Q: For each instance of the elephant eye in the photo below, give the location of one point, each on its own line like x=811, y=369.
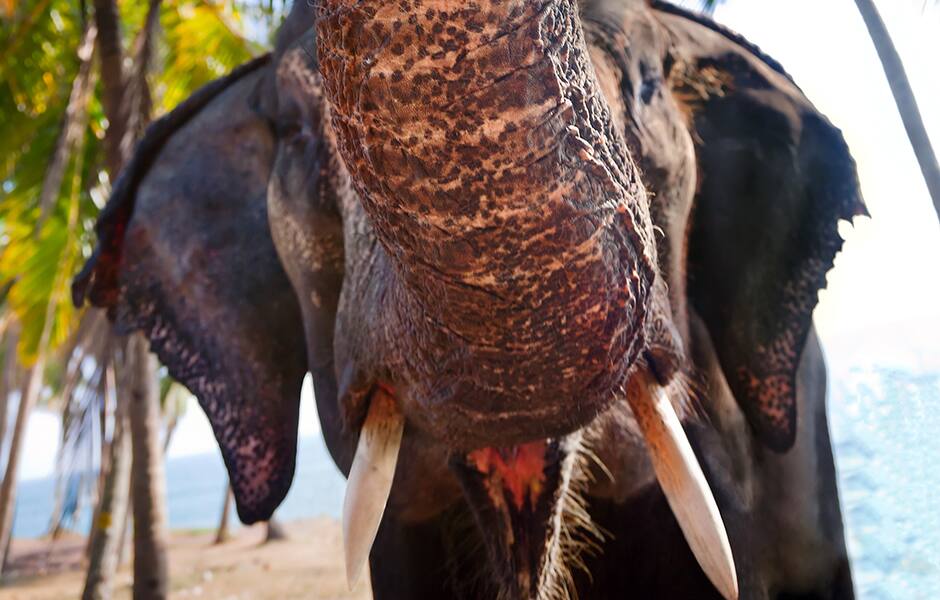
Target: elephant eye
x=285, y=129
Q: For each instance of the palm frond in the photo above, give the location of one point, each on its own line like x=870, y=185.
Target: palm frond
x=73, y=127
x=201, y=43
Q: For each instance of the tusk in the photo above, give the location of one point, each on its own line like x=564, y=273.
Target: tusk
x=370, y=480
x=683, y=483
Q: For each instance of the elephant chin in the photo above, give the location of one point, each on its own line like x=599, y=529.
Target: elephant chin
x=524, y=494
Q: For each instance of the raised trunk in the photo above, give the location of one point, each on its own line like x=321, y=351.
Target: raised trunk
x=904, y=98
x=28, y=399
x=147, y=480
x=110, y=513
x=516, y=222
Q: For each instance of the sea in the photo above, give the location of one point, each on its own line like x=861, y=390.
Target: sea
x=886, y=431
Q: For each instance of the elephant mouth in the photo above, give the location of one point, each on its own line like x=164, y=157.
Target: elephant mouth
x=523, y=498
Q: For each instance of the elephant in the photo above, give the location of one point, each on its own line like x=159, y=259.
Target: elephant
x=551, y=266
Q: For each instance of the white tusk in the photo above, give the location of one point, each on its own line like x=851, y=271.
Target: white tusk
x=370, y=480
x=683, y=483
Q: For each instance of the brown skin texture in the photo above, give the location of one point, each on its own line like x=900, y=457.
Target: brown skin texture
x=512, y=222
x=419, y=264
x=305, y=190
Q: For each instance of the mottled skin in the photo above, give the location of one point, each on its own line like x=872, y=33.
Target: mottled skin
x=501, y=210
x=515, y=230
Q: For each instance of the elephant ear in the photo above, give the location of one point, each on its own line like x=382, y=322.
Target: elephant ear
x=775, y=177
x=185, y=256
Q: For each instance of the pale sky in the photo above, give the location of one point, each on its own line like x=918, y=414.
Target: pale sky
x=882, y=305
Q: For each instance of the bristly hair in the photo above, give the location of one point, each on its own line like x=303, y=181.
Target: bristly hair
x=573, y=534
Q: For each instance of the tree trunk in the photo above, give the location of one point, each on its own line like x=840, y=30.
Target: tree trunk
x=108, y=382
x=904, y=98
x=223, y=533
x=275, y=531
x=147, y=485
x=73, y=127
x=7, y=377
x=111, y=512
x=6, y=548
x=123, y=108
x=113, y=83
x=8, y=489
x=170, y=430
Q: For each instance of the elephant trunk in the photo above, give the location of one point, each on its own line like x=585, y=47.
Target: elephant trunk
x=486, y=158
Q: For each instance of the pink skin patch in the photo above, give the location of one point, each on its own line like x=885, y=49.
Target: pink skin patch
x=519, y=469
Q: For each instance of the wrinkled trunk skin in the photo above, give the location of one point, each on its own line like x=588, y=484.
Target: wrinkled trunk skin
x=515, y=223
x=147, y=480
x=110, y=520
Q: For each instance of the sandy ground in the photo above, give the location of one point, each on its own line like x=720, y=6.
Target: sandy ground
x=307, y=565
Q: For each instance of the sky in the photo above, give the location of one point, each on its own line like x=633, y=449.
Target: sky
x=882, y=303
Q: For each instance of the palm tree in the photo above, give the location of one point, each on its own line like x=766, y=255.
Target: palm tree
x=148, y=493
x=126, y=101
x=8, y=374
x=110, y=518
x=61, y=140
x=903, y=97
x=45, y=175
x=223, y=531
x=69, y=143
x=58, y=143
x=901, y=89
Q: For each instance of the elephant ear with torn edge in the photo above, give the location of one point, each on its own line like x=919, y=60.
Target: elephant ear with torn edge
x=775, y=178
x=185, y=256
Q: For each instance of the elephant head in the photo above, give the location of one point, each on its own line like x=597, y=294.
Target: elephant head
x=517, y=243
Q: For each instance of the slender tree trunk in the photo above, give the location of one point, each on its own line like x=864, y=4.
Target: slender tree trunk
x=148, y=485
x=51, y=180
x=124, y=107
x=223, y=533
x=6, y=548
x=111, y=513
x=7, y=377
x=168, y=437
x=113, y=83
x=904, y=97
x=8, y=489
x=275, y=531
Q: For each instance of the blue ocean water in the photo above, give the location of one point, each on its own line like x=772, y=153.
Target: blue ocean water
x=195, y=488
x=886, y=431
